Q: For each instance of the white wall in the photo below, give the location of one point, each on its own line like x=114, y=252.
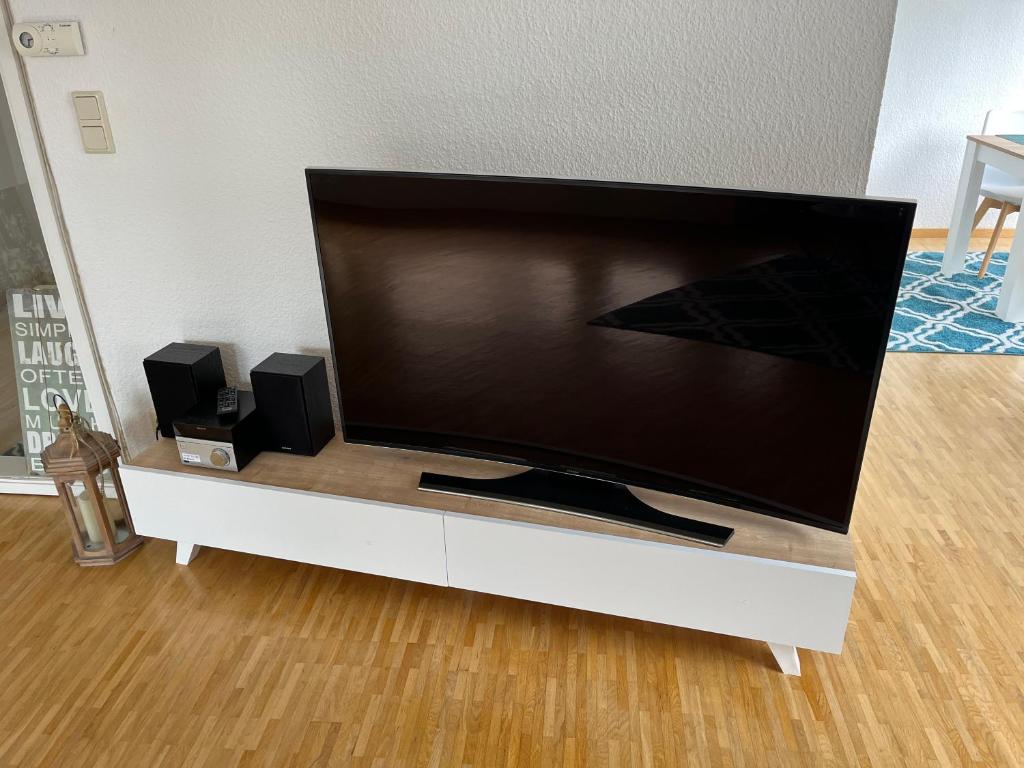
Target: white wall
x=951, y=62
x=198, y=228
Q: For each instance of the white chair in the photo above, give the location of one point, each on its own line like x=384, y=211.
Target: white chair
x=998, y=188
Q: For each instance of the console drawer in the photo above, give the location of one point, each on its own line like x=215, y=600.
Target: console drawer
x=687, y=586
x=335, y=531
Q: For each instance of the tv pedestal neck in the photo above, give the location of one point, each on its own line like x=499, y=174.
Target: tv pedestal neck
x=359, y=508
x=582, y=496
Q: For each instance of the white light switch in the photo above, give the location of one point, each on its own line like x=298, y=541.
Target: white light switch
x=94, y=139
x=93, y=124
x=87, y=108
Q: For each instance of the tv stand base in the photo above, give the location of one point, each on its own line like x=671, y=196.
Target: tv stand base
x=577, y=495
x=357, y=508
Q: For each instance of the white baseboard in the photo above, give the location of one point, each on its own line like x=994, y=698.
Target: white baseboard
x=32, y=486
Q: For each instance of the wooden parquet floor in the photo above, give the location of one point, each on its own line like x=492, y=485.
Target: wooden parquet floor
x=247, y=661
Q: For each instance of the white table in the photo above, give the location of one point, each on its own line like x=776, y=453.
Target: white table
x=1007, y=156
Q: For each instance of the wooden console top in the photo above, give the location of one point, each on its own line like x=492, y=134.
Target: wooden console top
x=391, y=476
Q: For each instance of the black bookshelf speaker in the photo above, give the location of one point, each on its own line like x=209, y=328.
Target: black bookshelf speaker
x=293, y=400
x=181, y=375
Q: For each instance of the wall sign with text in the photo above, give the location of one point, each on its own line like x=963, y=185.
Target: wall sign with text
x=45, y=364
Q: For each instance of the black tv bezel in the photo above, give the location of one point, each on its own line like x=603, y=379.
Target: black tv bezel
x=657, y=481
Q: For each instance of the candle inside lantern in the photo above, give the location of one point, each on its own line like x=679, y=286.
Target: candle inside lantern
x=92, y=521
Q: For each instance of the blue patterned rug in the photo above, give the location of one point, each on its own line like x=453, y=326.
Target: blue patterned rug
x=935, y=313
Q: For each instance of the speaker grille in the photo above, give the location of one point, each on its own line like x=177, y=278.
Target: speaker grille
x=280, y=401
x=294, y=402
x=179, y=376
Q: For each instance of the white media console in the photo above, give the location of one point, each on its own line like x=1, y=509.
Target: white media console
x=358, y=508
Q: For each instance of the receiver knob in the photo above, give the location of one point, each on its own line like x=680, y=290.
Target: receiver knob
x=219, y=457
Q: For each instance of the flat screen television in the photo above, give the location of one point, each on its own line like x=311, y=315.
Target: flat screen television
x=719, y=344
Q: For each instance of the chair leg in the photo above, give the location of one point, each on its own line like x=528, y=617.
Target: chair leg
x=1004, y=210
x=983, y=208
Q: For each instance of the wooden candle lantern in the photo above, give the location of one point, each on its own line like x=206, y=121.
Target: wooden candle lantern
x=101, y=527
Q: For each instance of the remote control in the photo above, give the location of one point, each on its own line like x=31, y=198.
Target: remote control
x=227, y=401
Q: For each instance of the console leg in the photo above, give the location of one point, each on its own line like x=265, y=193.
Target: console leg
x=787, y=658
x=186, y=552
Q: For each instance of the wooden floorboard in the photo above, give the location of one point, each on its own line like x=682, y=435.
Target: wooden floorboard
x=247, y=661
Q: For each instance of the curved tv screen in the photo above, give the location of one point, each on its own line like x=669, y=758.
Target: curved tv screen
x=719, y=344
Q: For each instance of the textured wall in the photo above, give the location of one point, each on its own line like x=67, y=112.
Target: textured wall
x=198, y=228
x=951, y=62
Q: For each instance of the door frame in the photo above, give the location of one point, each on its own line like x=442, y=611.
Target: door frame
x=46, y=199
